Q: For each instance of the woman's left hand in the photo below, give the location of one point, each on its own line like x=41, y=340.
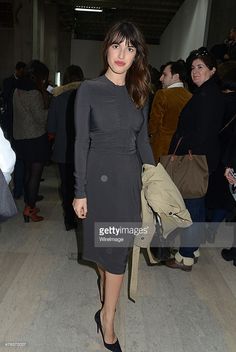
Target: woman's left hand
x=80, y=207
x=229, y=174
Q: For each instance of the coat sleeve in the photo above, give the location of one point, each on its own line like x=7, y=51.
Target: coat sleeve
x=157, y=114
x=199, y=123
x=52, y=117
x=143, y=145
x=229, y=156
x=202, y=122
x=8, y=89
x=82, y=138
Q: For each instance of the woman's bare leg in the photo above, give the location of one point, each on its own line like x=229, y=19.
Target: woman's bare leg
x=113, y=285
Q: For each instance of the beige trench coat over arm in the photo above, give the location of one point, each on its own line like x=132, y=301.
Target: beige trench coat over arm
x=159, y=195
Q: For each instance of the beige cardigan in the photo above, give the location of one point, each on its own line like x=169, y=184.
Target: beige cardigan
x=29, y=114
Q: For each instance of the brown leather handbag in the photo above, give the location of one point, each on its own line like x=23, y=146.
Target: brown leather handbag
x=189, y=172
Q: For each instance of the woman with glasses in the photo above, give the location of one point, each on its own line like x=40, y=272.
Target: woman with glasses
x=199, y=125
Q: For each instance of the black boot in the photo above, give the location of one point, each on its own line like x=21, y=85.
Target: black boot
x=229, y=254
x=161, y=253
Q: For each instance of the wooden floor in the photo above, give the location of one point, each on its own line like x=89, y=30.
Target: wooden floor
x=48, y=299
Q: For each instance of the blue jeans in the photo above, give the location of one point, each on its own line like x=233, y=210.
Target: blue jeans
x=190, y=237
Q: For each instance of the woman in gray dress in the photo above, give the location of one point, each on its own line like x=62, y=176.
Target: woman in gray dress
x=111, y=146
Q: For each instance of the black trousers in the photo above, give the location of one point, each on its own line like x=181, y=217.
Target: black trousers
x=32, y=176
x=67, y=190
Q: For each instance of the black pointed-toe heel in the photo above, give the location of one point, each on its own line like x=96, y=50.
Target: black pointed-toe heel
x=100, y=290
x=114, y=347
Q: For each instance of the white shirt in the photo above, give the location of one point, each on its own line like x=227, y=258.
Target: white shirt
x=176, y=85
x=7, y=157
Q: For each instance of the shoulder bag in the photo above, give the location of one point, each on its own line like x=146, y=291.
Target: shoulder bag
x=189, y=172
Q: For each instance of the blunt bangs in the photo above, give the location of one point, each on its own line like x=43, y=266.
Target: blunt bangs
x=124, y=33
x=137, y=79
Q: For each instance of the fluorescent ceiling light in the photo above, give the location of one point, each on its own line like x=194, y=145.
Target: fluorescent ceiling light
x=88, y=9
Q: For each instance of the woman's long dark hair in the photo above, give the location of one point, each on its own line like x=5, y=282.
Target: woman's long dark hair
x=138, y=76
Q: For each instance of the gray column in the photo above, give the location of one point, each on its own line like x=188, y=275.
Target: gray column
x=51, y=28
x=22, y=12
x=38, y=30
x=57, y=42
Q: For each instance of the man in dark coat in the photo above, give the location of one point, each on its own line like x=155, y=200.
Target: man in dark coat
x=9, y=85
x=231, y=45
x=61, y=126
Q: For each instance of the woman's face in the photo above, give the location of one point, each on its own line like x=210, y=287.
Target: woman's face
x=200, y=73
x=120, y=57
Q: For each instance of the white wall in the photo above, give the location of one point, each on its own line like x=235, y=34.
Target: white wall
x=87, y=55
x=154, y=55
x=185, y=32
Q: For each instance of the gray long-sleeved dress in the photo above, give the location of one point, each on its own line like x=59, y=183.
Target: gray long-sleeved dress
x=111, y=145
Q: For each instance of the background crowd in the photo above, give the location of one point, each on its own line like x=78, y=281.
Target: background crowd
x=193, y=98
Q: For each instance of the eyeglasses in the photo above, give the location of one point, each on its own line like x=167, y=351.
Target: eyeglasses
x=201, y=52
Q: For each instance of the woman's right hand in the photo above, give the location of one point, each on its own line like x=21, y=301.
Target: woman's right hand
x=80, y=207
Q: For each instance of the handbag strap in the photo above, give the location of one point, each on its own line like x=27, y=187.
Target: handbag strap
x=228, y=123
x=177, y=145
x=222, y=129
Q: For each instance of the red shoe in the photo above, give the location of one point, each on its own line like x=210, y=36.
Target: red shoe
x=31, y=214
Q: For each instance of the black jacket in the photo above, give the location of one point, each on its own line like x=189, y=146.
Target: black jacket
x=218, y=194
x=9, y=85
x=61, y=123
x=200, y=122
x=229, y=156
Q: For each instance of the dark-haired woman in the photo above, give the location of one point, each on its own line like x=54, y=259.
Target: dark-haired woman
x=111, y=145
x=30, y=104
x=199, y=125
